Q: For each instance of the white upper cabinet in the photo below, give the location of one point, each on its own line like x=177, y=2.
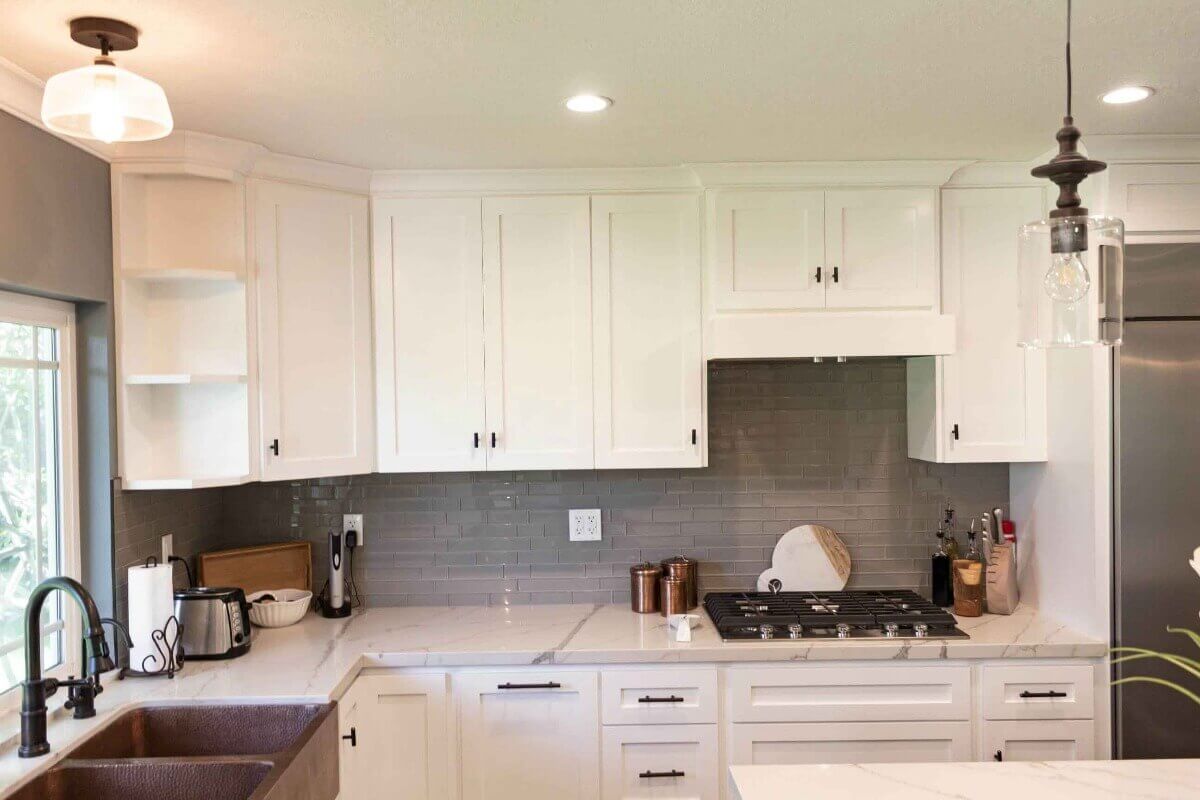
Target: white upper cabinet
x=880, y=249
x=987, y=402
x=314, y=303
x=769, y=246
x=649, y=364
x=429, y=334
x=537, y=332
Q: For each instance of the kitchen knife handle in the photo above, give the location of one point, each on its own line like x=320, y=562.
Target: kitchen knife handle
x=672, y=774
x=547, y=685
x=1050, y=693
x=649, y=699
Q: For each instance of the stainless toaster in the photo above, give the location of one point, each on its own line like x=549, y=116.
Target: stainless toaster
x=215, y=622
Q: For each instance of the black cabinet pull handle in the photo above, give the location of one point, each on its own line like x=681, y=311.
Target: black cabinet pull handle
x=649, y=699
x=352, y=737
x=476, y=435
x=818, y=274
x=954, y=431
x=547, y=685
x=999, y=755
x=835, y=274
x=693, y=435
x=275, y=446
x=672, y=774
x=1050, y=693
x=493, y=438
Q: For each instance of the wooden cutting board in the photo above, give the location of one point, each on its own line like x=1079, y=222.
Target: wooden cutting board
x=287, y=565
x=808, y=558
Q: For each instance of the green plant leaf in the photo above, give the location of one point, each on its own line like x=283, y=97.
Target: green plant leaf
x=1190, y=665
x=1195, y=637
x=1146, y=679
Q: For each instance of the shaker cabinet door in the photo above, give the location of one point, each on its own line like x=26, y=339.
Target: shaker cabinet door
x=767, y=248
x=538, y=332
x=649, y=363
x=429, y=334
x=314, y=309
x=881, y=249
x=533, y=736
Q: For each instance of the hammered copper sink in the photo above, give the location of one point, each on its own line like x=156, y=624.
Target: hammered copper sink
x=201, y=752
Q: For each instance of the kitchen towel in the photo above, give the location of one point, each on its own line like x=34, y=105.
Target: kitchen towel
x=151, y=604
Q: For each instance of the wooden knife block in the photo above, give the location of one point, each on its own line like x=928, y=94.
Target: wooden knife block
x=969, y=587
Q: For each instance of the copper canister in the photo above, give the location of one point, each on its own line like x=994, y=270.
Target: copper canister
x=686, y=569
x=643, y=587
x=672, y=596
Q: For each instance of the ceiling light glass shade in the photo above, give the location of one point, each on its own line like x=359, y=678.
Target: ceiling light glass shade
x=106, y=103
x=1127, y=94
x=1071, y=274
x=588, y=103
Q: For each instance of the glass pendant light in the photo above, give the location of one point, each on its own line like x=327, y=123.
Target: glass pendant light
x=1071, y=265
x=103, y=101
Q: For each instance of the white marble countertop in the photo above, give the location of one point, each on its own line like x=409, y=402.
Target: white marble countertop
x=1043, y=780
x=317, y=659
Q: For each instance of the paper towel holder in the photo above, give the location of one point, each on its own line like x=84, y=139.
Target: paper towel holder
x=166, y=642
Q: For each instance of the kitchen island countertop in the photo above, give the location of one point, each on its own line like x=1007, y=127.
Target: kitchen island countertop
x=317, y=659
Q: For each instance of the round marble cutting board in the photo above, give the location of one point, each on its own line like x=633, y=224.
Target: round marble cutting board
x=808, y=558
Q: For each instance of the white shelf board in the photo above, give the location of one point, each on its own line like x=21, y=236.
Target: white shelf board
x=183, y=274
x=183, y=483
x=177, y=378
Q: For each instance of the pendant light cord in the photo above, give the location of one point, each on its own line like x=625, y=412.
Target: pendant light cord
x=1068, y=58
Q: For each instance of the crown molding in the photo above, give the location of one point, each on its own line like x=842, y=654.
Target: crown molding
x=190, y=147
x=825, y=173
x=998, y=174
x=1181, y=148
x=21, y=96
x=310, y=172
x=548, y=181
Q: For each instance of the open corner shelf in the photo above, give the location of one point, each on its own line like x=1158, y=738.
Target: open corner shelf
x=180, y=378
x=184, y=483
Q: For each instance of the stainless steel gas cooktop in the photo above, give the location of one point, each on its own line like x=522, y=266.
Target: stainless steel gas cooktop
x=863, y=614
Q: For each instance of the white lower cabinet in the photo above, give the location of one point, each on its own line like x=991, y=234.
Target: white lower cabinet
x=396, y=730
x=1039, y=740
x=849, y=742
x=661, y=761
x=529, y=735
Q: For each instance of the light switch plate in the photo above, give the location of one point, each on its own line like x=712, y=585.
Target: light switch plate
x=585, y=524
x=354, y=522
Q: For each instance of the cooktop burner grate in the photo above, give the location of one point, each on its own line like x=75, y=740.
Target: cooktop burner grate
x=892, y=613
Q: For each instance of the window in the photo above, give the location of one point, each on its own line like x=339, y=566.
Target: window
x=39, y=526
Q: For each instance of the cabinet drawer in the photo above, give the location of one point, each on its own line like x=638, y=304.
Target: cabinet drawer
x=858, y=694
x=1062, y=691
x=1039, y=740
x=646, y=697
x=849, y=742
x=661, y=761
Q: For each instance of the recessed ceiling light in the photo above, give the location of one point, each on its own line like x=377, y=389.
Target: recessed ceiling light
x=588, y=103
x=1127, y=94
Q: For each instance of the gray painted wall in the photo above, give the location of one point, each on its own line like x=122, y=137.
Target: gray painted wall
x=790, y=443
x=56, y=241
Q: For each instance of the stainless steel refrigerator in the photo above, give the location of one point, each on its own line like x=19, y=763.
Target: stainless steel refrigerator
x=1157, y=498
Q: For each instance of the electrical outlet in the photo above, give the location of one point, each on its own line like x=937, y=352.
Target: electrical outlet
x=167, y=542
x=354, y=522
x=585, y=524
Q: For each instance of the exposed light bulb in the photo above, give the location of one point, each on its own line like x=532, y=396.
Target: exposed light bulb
x=1067, y=281
x=107, y=120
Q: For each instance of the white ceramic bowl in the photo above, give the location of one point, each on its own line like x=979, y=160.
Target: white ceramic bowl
x=288, y=608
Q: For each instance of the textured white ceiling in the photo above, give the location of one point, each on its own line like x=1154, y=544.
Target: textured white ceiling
x=456, y=83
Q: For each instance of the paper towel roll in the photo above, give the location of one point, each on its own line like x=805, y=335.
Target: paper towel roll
x=151, y=604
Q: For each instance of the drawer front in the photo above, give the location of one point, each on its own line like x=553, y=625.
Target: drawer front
x=1039, y=740
x=849, y=742
x=652, y=696
x=1056, y=691
x=850, y=694
x=661, y=761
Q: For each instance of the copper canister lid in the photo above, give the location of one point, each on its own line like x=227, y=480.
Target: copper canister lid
x=680, y=560
x=645, y=568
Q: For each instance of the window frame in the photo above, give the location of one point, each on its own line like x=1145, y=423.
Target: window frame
x=43, y=312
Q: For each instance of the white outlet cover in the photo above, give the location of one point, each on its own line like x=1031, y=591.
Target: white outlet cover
x=167, y=543
x=354, y=522
x=585, y=524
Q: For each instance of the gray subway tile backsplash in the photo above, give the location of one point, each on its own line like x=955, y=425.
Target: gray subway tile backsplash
x=789, y=443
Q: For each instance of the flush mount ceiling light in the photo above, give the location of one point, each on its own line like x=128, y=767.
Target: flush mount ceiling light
x=103, y=101
x=588, y=103
x=1127, y=94
x=1060, y=304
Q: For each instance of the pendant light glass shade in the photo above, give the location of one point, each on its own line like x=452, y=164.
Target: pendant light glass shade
x=106, y=103
x=1071, y=273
